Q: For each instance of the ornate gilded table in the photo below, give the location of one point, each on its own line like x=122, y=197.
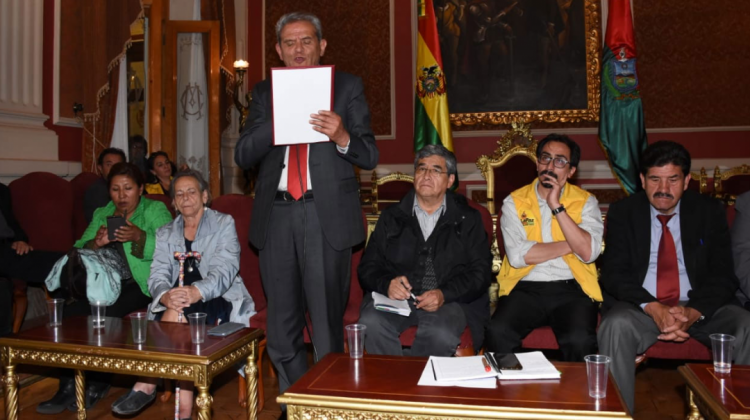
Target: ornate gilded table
x=717, y=396
x=385, y=387
x=168, y=353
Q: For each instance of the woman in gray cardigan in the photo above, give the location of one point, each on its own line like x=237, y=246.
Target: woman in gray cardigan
x=212, y=285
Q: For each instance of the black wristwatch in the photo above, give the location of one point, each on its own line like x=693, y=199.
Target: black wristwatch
x=558, y=210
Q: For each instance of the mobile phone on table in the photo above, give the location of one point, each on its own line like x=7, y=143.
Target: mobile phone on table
x=507, y=361
x=114, y=223
x=225, y=329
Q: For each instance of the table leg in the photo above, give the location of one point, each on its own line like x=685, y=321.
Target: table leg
x=251, y=378
x=10, y=380
x=694, y=413
x=204, y=402
x=81, y=394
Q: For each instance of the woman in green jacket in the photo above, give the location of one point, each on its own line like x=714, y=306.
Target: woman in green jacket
x=134, y=243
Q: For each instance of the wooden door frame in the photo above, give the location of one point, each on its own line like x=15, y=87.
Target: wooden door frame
x=169, y=115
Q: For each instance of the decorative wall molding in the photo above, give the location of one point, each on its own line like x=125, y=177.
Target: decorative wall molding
x=22, y=131
x=11, y=169
x=595, y=131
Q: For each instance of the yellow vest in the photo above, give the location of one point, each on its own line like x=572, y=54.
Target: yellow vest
x=527, y=206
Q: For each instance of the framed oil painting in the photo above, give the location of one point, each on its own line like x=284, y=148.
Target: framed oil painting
x=520, y=60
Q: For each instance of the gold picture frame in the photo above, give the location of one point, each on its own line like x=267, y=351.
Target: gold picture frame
x=511, y=91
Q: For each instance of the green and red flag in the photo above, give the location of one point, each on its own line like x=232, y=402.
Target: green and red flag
x=431, y=117
x=622, y=130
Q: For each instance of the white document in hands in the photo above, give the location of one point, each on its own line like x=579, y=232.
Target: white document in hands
x=535, y=366
x=386, y=304
x=451, y=365
x=297, y=93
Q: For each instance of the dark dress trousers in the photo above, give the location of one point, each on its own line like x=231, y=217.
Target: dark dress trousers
x=462, y=261
x=315, y=235
x=626, y=330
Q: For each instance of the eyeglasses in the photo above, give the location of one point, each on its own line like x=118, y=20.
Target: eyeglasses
x=558, y=162
x=423, y=170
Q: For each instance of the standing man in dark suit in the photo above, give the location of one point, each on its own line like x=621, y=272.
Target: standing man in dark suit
x=305, y=235
x=668, y=263
x=741, y=246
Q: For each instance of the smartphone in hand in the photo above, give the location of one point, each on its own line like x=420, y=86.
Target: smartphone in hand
x=114, y=223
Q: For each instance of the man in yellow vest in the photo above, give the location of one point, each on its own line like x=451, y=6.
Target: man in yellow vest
x=552, y=232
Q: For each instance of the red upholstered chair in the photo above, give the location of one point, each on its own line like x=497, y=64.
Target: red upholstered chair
x=80, y=184
x=167, y=200
x=466, y=346
x=240, y=207
x=389, y=190
x=43, y=206
x=511, y=166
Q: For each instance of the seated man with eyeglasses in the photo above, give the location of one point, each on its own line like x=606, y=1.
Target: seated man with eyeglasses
x=553, y=233
x=432, y=251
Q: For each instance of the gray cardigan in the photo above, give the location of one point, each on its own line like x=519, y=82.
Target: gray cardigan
x=216, y=240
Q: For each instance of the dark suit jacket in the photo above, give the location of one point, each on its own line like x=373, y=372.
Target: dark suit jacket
x=461, y=257
x=706, y=249
x=7, y=209
x=335, y=188
x=741, y=245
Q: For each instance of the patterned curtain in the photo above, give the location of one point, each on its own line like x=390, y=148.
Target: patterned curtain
x=106, y=38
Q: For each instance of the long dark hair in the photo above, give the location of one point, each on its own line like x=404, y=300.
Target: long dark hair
x=150, y=177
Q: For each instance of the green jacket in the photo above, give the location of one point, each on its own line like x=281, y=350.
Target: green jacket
x=149, y=216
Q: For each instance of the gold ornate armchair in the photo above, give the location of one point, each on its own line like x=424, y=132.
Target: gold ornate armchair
x=384, y=197
x=699, y=181
x=511, y=166
x=731, y=183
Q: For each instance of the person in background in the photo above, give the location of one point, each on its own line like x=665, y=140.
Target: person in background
x=668, y=265
x=18, y=259
x=432, y=245
x=211, y=285
x=134, y=246
x=305, y=226
x=97, y=195
x=138, y=148
x=741, y=247
x=160, y=172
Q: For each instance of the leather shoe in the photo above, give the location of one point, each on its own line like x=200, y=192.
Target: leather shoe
x=132, y=402
x=65, y=395
x=95, y=391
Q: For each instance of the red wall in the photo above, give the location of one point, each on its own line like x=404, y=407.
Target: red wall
x=68, y=138
x=708, y=144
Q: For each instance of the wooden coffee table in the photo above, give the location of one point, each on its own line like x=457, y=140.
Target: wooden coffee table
x=168, y=353
x=717, y=396
x=386, y=387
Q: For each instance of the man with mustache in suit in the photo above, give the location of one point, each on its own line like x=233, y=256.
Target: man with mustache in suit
x=553, y=233
x=669, y=267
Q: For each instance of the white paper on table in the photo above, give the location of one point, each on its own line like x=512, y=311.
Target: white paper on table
x=535, y=366
x=296, y=93
x=428, y=379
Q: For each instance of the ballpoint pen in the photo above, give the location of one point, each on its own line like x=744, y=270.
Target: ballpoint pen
x=410, y=293
x=487, y=367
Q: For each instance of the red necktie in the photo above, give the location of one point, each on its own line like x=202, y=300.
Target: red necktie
x=296, y=171
x=667, y=272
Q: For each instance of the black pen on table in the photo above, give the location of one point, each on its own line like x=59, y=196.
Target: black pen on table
x=410, y=293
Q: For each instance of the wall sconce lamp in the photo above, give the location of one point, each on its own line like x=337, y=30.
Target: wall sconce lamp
x=240, y=68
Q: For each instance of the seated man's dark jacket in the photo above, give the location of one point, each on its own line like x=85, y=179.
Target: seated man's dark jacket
x=461, y=256
x=97, y=195
x=706, y=248
x=10, y=219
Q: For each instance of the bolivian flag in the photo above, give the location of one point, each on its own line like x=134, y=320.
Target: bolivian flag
x=622, y=130
x=431, y=116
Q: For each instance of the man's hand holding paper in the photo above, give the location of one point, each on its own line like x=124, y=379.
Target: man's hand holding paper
x=329, y=123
